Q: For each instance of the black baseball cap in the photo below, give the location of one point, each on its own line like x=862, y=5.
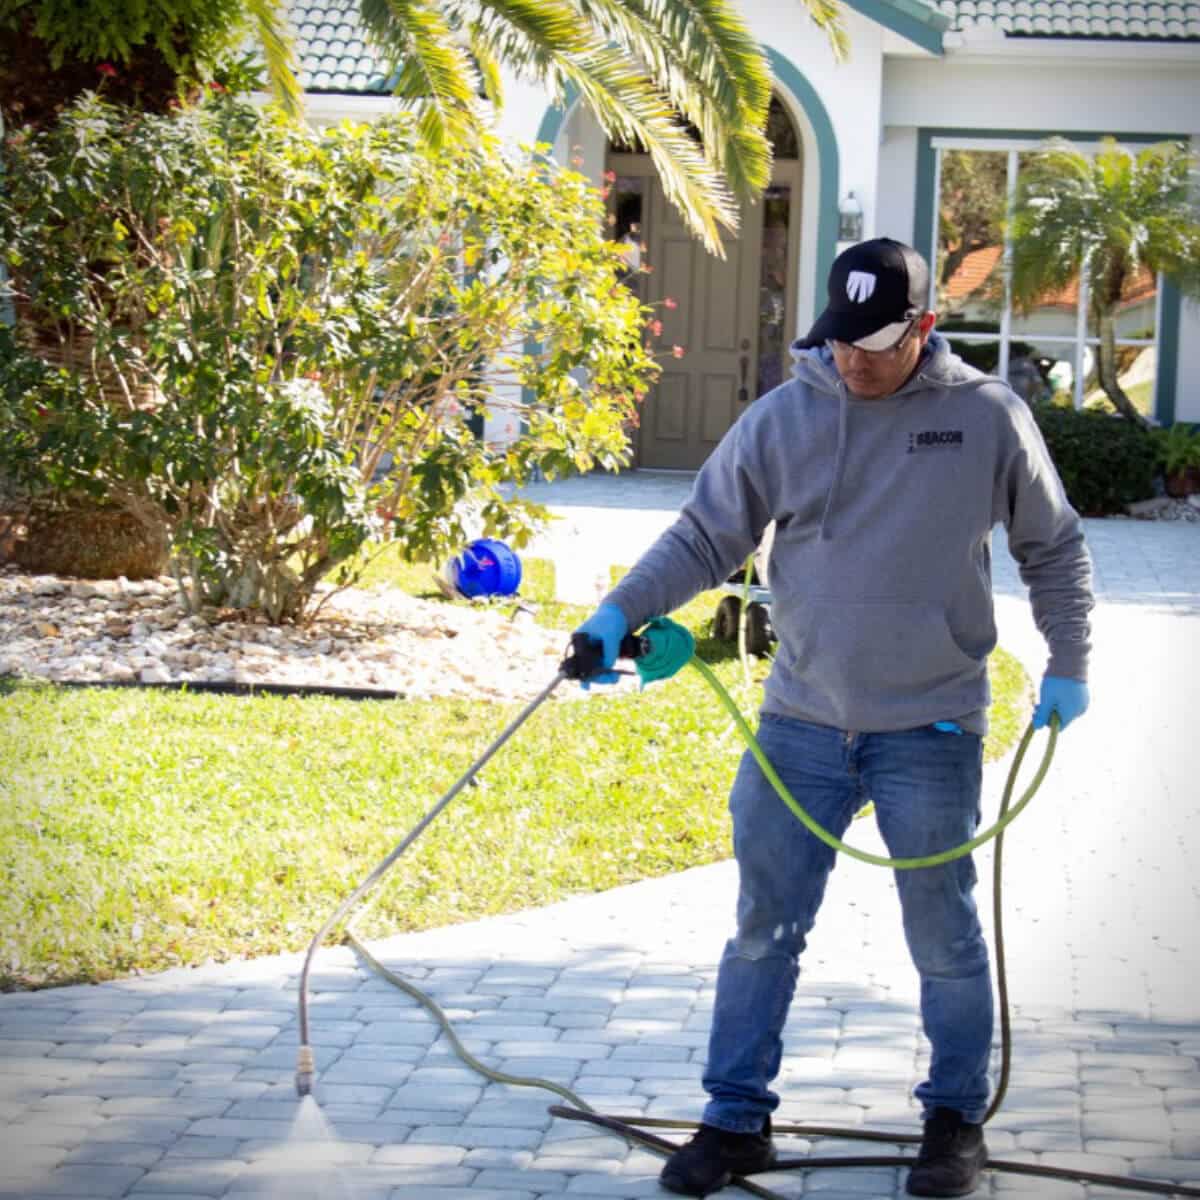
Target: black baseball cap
x=875, y=289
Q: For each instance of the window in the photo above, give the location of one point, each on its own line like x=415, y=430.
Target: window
x=1046, y=352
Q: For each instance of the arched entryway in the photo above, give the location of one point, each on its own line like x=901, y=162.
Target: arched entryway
x=732, y=317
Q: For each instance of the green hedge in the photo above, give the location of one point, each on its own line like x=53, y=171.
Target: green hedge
x=1106, y=462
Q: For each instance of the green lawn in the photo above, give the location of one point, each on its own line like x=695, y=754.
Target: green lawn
x=142, y=830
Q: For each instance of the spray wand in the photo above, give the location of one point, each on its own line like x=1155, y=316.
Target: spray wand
x=584, y=660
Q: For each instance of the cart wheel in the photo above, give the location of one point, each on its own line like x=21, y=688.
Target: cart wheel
x=725, y=623
x=759, y=634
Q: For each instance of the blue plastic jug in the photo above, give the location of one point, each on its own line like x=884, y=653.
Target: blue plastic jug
x=486, y=568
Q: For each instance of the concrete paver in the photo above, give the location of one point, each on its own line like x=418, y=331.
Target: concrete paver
x=180, y=1084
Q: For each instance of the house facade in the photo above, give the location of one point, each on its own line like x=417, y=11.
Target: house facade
x=870, y=146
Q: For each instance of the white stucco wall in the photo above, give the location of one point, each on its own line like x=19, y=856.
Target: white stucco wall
x=1187, y=372
x=1187, y=379
x=897, y=182
x=1049, y=87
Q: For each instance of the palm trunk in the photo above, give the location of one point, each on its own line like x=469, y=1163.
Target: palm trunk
x=1107, y=369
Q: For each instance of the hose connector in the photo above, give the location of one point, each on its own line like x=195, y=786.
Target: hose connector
x=305, y=1069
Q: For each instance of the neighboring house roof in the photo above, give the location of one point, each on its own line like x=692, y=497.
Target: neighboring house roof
x=972, y=272
x=977, y=267
x=1120, y=20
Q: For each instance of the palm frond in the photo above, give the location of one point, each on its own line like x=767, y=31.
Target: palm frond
x=710, y=37
x=431, y=69
x=271, y=32
x=710, y=69
x=488, y=66
x=1116, y=212
x=827, y=16
x=1049, y=223
x=548, y=40
x=529, y=36
x=629, y=108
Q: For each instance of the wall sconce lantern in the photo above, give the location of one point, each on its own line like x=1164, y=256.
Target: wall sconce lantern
x=850, y=219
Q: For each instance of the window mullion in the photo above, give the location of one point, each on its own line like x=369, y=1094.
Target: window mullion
x=1081, y=332
x=937, y=219
x=1006, y=313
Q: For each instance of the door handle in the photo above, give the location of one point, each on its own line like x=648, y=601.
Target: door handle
x=743, y=394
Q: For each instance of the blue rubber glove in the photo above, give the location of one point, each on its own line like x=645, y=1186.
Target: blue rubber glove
x=1067, y=697
x=607, y=625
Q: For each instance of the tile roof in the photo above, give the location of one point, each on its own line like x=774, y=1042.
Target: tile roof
x=331, y=51
x=1122, y=20
x=334, y=56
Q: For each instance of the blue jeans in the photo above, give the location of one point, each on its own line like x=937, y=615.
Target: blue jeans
x=925, y=785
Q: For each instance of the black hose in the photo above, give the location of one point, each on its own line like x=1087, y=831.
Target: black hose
x=228, y=687
x=631, y=1128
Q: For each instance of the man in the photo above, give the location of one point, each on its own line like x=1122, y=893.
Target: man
x=884, y=463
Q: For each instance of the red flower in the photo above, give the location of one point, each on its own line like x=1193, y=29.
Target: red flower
x=656, y=328
x=107, y=70
x=669, y=303
x=677, y=351
x=610, y=177
x=214, y=86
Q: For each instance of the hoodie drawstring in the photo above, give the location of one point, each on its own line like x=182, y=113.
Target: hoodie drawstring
x=839, y=462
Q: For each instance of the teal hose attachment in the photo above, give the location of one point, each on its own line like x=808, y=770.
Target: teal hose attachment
x=668, y=647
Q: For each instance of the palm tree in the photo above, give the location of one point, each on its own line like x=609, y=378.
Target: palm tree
x=1111, y=214
x=647, y=69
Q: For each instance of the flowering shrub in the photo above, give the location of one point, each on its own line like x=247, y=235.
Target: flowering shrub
x=280, y=343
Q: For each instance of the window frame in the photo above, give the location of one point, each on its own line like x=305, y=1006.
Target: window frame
x=932, y=142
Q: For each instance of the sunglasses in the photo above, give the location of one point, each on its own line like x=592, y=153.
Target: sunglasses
x=847, y=347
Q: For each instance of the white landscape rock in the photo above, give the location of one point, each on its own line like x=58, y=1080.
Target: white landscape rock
x=123, y=630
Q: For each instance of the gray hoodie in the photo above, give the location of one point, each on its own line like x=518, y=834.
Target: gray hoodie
x=880, y=570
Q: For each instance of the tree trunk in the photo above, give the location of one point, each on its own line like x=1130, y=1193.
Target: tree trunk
x=1107, y=369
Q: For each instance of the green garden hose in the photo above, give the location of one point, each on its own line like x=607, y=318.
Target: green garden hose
x=671, y=647
x=662, y=649
x=1006, y=818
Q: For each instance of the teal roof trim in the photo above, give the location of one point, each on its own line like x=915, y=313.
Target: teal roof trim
x=828, y=163
x=919, y=23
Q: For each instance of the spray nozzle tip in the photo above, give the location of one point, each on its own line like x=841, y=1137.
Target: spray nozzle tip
x=305, y=1068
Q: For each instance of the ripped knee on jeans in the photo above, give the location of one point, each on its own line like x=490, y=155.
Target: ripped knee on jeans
x=784, y=938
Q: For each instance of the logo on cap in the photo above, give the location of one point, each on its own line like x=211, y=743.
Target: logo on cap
x=860, y=286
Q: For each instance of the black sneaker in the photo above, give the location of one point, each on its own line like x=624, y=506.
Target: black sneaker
x=712, y=1157
x=951, y=1158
